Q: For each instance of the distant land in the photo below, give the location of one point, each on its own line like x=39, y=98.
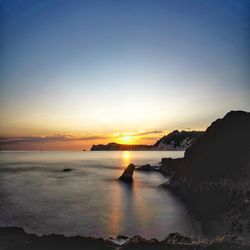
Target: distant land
x=176, y=140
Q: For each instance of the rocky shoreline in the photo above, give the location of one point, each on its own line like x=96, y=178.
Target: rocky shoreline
x=213, y=179
x=13, y=238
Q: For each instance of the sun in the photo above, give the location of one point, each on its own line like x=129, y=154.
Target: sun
x=127, y=138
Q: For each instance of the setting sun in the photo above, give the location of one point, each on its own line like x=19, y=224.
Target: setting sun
x=127, y=139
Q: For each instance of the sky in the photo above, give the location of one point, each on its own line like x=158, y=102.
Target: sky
x=82, y=72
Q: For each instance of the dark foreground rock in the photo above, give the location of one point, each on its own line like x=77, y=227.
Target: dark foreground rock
x=213, y=178
x=127, y=175
x=18, y=239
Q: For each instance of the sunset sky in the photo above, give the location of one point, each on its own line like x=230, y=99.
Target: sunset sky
x=76, y=73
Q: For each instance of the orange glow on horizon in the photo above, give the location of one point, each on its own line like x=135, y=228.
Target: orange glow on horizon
x=74, y=140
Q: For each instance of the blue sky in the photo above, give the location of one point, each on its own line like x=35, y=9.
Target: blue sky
x=110, y=66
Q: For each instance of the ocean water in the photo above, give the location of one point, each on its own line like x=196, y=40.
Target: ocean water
x=37, y=195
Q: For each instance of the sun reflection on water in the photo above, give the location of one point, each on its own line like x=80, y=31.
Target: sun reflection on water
x=126, y=158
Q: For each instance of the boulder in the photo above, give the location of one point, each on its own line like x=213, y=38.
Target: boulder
x=146, y=167
x=127, y=175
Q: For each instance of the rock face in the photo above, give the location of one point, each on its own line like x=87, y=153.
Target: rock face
x=127, y=175
x=177, y=140
x=214, y=175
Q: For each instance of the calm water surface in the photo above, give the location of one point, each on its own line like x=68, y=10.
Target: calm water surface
x=35, y=194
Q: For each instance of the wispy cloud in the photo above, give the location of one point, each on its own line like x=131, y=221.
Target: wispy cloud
x=46, y=139
x=135, y=134
x=155, y=132
x=65, y=138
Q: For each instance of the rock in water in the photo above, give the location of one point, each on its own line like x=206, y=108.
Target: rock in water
x=146, y=167
x=67, y=170
x=127, y=175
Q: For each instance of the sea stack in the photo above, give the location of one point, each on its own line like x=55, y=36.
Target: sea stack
x=127, y=175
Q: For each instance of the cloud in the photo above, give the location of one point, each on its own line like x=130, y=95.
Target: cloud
x=65, y=138
x=156, y=132
x=97, y=137
x=46, y=139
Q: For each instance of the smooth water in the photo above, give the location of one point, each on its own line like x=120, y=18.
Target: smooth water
x=37, y=195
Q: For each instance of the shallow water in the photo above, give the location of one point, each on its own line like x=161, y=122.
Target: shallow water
x=35, y=194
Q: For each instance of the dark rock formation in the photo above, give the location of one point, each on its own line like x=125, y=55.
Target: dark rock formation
x=127, y=175
x=169, y=166
x=214, y=175
x=18, y=239
x=149, y=168
x=146, y=167
x=66, y=169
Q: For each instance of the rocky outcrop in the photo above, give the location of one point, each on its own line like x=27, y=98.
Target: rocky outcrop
x=146, y=167
x=18, y=239
x=149, y=168
x=213, y=178
x=170, y=166
x=177, y=140
x=127, y=175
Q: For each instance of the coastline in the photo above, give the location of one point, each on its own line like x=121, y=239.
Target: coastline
x=213, y=183
x=14, y=238
x=213, y=177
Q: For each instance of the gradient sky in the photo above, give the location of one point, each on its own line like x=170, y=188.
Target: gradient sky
x=74, y=73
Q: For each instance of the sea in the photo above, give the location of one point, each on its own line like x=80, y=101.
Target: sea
x=37, y=195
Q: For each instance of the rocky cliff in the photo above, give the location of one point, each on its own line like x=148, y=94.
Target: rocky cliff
x=214, y=175
x=177, y=140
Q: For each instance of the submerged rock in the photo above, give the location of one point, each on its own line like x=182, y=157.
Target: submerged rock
x=127, y=175
x=67, y=170
x=146, y=167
